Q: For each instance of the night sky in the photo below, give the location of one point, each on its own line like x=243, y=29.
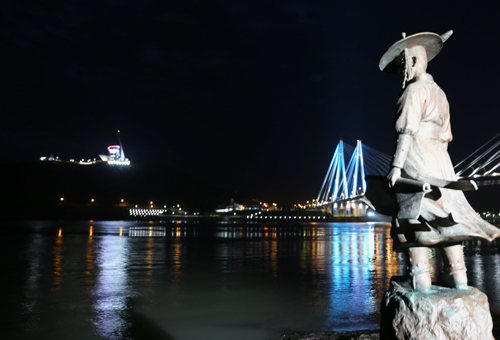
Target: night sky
x=252, y=96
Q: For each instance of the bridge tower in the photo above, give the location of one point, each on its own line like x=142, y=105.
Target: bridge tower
x=356, y=172
x=345, y=183
x=335, y=182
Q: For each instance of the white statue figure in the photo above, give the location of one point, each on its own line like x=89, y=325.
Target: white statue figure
x=442, y=218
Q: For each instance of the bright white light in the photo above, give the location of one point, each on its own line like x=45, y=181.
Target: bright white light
x=119, y=162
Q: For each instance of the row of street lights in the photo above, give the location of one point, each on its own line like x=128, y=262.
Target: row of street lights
x=151, y=204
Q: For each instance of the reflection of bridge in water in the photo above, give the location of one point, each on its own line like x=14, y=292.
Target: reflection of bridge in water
x=343, y=189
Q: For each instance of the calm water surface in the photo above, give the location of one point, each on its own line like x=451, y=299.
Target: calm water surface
x=176, y=280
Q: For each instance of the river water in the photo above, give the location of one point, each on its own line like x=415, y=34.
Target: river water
x=203, y=280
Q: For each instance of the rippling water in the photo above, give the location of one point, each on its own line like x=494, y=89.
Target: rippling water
x=176, y=280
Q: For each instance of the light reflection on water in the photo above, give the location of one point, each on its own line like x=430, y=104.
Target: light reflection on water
x=110, y=292
x=121, y=280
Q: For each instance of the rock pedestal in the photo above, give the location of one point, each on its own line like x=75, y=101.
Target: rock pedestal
x=443, y=313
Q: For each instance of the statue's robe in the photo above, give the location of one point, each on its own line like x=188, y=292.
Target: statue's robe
x=445, y=217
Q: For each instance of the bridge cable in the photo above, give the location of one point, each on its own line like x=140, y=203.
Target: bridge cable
x=477, y=159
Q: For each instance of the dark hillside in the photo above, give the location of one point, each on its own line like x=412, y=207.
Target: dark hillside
x=34, y=189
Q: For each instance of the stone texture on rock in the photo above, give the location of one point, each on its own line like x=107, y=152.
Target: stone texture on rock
x=441, y=314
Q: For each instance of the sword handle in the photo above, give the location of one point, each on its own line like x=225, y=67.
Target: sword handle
x=425, y=187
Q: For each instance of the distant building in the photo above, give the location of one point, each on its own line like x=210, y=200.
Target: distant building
x=116, y=155
x=230, y=207
x=51, y=158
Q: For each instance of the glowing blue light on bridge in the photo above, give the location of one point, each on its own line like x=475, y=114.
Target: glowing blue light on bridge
x=343, y=182
x=335, y=172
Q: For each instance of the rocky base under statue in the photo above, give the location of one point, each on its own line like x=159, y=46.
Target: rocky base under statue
x=442, y=313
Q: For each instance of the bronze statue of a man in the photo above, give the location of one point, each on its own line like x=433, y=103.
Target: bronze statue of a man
x=442, y=218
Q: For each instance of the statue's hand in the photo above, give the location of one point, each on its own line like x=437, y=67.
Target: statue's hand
x=393, y=176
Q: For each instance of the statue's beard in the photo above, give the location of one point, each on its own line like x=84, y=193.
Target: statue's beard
x=409, y=70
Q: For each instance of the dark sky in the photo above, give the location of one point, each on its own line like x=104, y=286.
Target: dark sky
x=248, y=95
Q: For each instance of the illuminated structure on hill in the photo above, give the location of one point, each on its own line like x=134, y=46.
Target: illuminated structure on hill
x=116, y=155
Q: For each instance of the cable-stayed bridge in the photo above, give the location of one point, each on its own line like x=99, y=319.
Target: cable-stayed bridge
x=344, y=187
x=343, y=182
x=483, y=165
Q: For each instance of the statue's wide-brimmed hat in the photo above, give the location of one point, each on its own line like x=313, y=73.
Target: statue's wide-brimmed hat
x=432, y=42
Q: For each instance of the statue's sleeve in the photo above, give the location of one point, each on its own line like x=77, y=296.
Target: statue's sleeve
x=409, y=110
x=446, y=135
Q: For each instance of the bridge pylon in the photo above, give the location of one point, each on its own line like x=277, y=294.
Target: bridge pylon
x=345, y=183
x=335, y=182
x=356, y=172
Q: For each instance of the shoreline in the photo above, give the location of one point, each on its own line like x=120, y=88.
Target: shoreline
x=366, y=334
